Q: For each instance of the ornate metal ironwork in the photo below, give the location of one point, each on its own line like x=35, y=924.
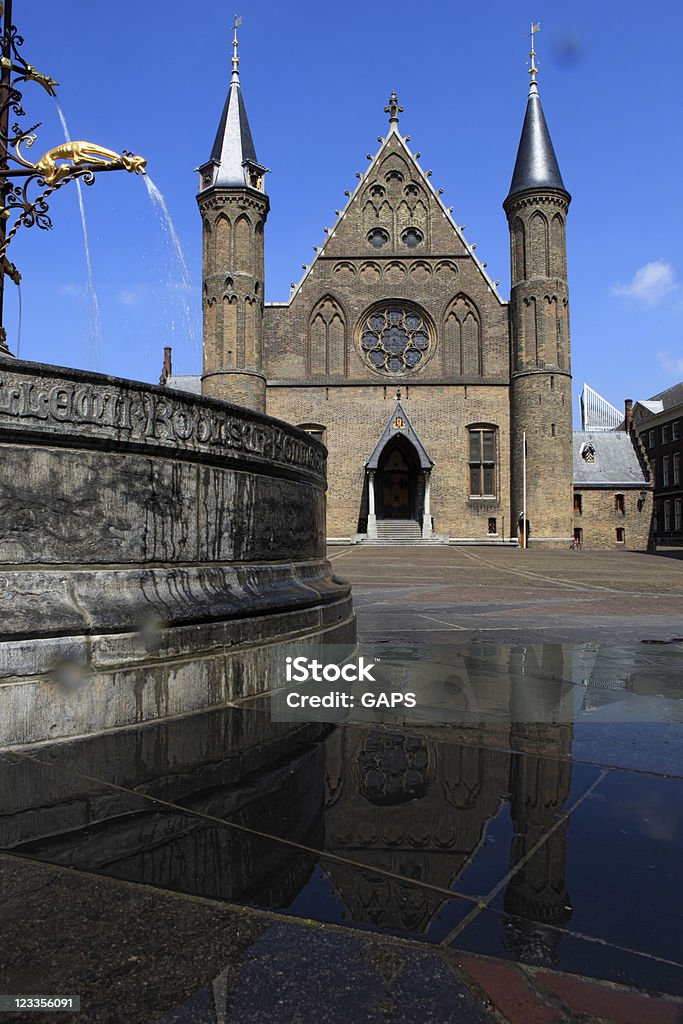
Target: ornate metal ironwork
x=27, y=199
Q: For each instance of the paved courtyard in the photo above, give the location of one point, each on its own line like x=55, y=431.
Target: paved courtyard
x=558, y=594
x=508, y=851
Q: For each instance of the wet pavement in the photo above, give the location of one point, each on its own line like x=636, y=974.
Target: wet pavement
x=509, y=850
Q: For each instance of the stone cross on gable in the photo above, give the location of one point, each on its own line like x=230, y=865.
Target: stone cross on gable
x=393, y=109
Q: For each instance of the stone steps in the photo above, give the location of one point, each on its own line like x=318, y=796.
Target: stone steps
x=395, y=532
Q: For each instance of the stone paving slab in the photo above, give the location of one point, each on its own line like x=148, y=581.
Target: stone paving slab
x=136, y=954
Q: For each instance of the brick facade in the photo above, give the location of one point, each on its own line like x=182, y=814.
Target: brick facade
x=599, y=515
x=396, y=304
x=659, y=425
x=318, y=374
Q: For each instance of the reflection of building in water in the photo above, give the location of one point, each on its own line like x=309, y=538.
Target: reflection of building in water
x=416, y=802
x=413, y=804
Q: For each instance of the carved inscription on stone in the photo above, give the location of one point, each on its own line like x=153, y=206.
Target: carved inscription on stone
x=86, y=410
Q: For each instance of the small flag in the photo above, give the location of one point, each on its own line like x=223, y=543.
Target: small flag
x=238, y=22
x=536, y=27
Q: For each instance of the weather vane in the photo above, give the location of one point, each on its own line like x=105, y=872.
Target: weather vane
x=235, y=58
x=533, y=70
x=63, y=163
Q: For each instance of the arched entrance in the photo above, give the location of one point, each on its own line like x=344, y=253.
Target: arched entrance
x=398, y=476
x=396, y=480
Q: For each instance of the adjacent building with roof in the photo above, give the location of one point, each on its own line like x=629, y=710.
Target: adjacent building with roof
x=612, y=491
x=658, y=421
x=445, y=408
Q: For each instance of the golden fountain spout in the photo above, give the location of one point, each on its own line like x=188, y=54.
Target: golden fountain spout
x=89, y=153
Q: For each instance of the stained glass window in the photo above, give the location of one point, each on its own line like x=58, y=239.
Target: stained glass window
x=395, y=339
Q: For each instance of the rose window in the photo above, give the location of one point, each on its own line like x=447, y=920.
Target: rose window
x=395, y=339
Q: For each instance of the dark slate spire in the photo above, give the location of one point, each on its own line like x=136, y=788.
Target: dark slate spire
x=536, y=165
x=233, y=159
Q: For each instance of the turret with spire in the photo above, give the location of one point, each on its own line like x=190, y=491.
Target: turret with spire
x=234, y=207
x=540, y=390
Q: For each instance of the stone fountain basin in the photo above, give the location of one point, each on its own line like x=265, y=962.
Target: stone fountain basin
x=157, y=550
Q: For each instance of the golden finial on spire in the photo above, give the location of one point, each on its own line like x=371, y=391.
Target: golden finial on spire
x=533, y=70
x=235, y=58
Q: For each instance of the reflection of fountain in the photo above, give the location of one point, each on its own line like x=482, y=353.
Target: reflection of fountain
x=184, y=287
x=272, y=776
x=93, y=301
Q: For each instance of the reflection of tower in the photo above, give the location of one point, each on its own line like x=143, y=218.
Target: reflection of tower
x=540, y=386
x=540, y=779
x=234, y=207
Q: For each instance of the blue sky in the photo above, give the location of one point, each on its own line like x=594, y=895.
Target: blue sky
x=151, y=77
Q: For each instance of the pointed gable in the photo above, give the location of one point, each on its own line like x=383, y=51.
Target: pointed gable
x=399, y=425
x=395, y=211
x=394, y=245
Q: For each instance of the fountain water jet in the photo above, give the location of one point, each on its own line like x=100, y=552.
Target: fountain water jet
x=161, y=208
x=93, y=300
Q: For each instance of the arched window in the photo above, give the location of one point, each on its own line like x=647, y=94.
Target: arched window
x=518, y=256
x=243, y=245
x=316, y=430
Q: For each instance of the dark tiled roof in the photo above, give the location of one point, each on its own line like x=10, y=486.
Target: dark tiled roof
x=185, y=382
x=615, y=464
x=671, y=397
x=536, y=166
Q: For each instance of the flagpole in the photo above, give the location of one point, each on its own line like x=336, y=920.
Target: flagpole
x=524, y=528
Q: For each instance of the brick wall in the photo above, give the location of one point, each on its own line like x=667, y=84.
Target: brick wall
x=354, y=418
x=599, y=518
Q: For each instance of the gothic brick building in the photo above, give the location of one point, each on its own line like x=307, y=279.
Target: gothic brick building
x=396, y=348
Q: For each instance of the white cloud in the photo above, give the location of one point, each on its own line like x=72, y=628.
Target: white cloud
x=74, y=291
x=670, y=363
x=650, y=284
x=132, y=296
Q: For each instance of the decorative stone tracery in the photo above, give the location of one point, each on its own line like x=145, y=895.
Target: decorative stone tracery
x=327, y=339
x=395, y=337
x=463, y=355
